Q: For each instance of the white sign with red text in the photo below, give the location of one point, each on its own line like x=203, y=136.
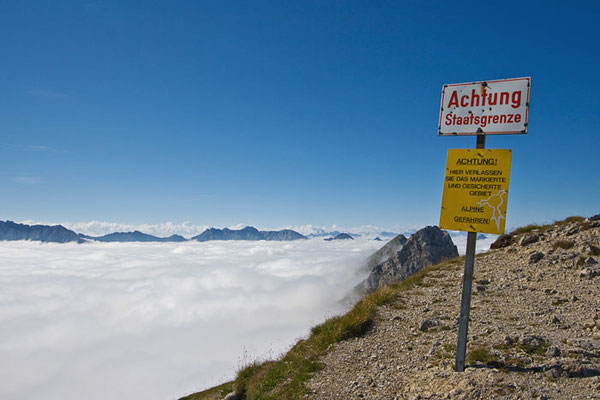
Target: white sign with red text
x=485, y=108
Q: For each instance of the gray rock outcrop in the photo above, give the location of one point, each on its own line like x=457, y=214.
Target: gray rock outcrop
x=399, y=260
x=384, y=253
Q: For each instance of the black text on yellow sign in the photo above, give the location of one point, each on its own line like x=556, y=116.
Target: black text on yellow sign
x=476, y=190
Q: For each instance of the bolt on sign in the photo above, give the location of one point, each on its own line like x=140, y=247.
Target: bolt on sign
x=485, y=108
x=476, y=190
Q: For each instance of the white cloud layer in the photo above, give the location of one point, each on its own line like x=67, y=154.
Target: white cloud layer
x=158, y=320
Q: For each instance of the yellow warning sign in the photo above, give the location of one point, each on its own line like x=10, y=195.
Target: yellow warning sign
x=476, y=190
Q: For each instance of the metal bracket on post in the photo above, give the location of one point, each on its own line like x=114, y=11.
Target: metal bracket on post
x=465, y=304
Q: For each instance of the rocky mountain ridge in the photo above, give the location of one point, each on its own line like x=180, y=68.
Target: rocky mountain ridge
x=59, y=234
x=135, y=236
x=44, y=233
x=247, y=233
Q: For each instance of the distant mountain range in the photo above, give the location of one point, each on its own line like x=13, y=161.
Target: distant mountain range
x=247, y=233
x=323, y=233
x=135, y=236
x=59, y=234
x=43, y=233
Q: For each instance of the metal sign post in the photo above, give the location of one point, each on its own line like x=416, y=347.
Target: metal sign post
x=475, y=195
x=476, y=184
x=465, y=303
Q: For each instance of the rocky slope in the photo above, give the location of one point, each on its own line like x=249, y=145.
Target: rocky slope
x=534, y=331
x=384, y=253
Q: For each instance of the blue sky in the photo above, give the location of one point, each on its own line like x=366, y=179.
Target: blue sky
x=276, y=113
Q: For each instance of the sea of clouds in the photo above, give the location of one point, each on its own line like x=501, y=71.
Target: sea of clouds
x=159, y=320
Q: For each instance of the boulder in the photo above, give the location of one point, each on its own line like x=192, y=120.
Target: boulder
x=528, y=239
x=428, y=323
x=535, y=257
x=502, y=241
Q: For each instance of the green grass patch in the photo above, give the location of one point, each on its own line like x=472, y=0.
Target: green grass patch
x=529, y=349
x=481, y=354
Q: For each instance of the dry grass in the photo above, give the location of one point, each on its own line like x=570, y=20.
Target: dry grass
x=545, y=227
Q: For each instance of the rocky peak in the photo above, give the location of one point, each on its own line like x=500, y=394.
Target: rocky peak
x=384, y=253
x=402, y=257
x=340, y=236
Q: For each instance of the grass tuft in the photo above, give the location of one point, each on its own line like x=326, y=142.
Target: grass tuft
x=482, y=355
x=529, y=228
x=545, y=227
